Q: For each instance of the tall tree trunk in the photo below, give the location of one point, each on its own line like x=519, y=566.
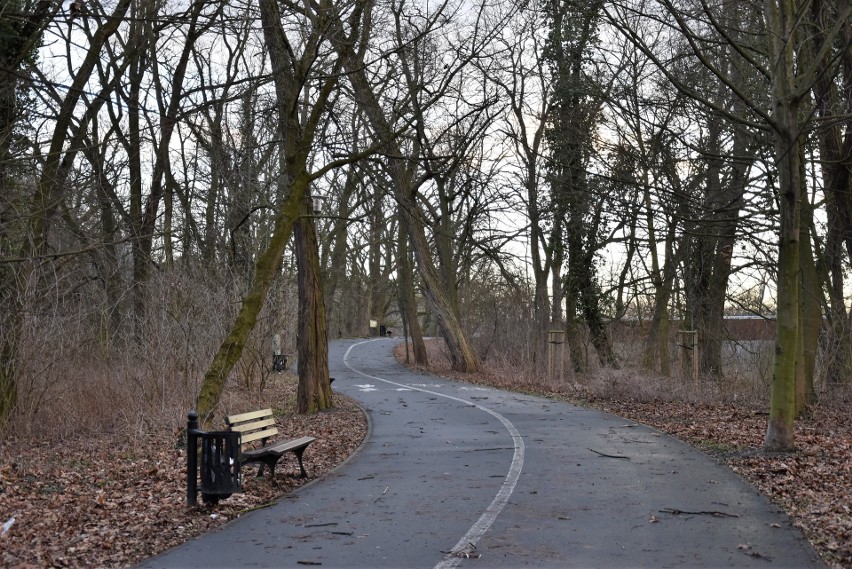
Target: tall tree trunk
x=541, y=267
x=836, y=166
x=334, y=251
x=374, y=262
x=811, y=314
x=573, y=335
x=407, y=300
x=556, y=267
x=461, y=353
x=296, y=142
x=657, y=342
x=265, y=269
x=8, y=353
x=781, y=16
x=134, y=158
x=597, y=327
x=726, y=205
x=110, y=264
x=314, y=392
x=21, y=37
x=444, y=235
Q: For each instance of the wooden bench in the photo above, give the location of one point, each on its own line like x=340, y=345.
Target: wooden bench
x=260, y=426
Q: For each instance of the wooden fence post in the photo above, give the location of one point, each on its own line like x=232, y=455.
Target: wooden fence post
x=555, y=353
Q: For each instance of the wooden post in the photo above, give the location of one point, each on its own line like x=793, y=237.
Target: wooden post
x=695, y=357
x=690, y=349
x=555, y=353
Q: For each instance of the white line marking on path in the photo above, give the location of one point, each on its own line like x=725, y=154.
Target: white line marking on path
x=477, y=530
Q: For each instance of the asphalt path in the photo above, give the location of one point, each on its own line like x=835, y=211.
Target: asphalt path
x=458, y=475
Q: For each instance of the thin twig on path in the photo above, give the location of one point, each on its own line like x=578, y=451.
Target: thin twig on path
x=608, y=455
x=385, y=491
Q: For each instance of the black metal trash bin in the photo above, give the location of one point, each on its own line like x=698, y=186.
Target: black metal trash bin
x=219, y=466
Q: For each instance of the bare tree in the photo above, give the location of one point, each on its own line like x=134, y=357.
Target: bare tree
x=519, y=68
x=402, y=166
x=833, y=101
x=703, y=26
x=66, y=142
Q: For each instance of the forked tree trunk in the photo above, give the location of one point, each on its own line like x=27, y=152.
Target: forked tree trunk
x=296, y=141
x=462, y=355
x=407, y=298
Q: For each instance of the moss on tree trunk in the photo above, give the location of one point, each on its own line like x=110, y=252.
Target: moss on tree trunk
x=265, y=269
x=781, y=21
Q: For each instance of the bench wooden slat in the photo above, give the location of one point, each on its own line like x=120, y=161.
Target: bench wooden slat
x=246, y=438
x=253, y=426
x=290, y=445
x=280, y=448
x=243, y=417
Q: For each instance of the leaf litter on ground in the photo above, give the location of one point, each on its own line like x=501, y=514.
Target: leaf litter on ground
x=110, y=501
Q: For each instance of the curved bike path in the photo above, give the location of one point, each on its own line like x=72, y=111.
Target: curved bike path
x=457, y=475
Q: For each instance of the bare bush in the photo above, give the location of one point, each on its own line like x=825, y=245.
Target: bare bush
x=75, y=375
x=746, y=380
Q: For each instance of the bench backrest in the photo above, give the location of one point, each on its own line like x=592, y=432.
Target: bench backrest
x=253, y=426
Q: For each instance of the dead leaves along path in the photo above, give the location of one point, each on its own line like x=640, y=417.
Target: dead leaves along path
x=108, y=501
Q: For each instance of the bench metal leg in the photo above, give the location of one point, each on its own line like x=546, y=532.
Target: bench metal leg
x=270, y=464
x=299, y=451
x=264, y=464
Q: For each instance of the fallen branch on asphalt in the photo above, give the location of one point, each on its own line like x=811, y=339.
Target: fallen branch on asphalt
x=715, y=514
x=608, y=455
